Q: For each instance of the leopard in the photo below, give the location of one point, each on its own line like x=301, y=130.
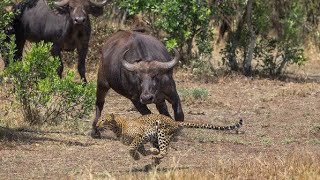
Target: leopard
x=158, y=129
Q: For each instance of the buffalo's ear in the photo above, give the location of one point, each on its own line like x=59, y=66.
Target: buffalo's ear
x=96, y=11
x=62, y=9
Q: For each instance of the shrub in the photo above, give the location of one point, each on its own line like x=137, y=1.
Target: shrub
x=275, y=41
x=194, y=93
x=201, y=68
x=6, y=49
x=273, y=56
x=43, y=96
x=5, y=17
x=184, y=23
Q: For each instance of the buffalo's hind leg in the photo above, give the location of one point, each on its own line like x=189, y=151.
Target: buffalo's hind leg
x=101, y=93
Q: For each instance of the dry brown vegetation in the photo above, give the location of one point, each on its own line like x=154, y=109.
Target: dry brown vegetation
x=280, y=138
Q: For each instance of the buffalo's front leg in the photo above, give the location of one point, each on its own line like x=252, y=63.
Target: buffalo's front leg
x=101, y=93
x=177, y=108
x=173, y=98
x=56, y=52
x=82, y=54
x=142, y=108
x=163, y=108
x=20, y=42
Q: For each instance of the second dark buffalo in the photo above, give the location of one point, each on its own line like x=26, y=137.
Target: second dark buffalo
x=66, y=25
x=139, y=67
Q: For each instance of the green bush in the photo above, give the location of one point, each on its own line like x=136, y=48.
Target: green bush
x=43, y=96
x=5, y=17
x=201, y=68
x=183, y=22
x=277, y=40
x=274, y=56
x=278, y=53
x=6, y=49
x=194, y=94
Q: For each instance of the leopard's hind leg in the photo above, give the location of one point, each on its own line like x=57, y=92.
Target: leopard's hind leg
x=163, y=140
x=137, y=145
x=159, y=150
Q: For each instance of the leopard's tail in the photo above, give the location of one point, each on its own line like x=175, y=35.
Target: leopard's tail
x=210, y=126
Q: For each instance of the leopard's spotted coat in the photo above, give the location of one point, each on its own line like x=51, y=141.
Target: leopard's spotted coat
x=155, y=128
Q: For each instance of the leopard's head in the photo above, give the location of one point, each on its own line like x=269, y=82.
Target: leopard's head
x=105, y=121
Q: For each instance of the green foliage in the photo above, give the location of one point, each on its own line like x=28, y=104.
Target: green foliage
x=287, y=49
x=261, y=17
x=170, y=44
x=6, y=16
x=182, y=21
x=5, y=19
x=272, y=53
x=312, y=23
x=202, y=68
x=188, y=25
x=43, y=96
x=194, y=93
x=136, y=6
x=266, y=141
x=185, y=20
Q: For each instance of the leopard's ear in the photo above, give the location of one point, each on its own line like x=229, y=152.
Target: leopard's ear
x=100, y=123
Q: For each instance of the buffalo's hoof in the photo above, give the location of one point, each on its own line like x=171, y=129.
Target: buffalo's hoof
x=95, y=134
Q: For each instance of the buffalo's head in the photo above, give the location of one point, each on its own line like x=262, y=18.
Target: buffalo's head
x=79, y=9
x=150, y=75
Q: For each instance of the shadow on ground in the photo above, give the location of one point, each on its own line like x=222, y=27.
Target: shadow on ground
x=28, y=136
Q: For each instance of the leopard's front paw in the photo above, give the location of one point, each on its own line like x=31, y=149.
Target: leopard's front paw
x=154, y=151
x=158, y=156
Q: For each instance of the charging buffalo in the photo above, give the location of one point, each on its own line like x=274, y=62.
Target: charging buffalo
x=139, y=67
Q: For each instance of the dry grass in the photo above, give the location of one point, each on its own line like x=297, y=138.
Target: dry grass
x=295, y=166
x=280, y=138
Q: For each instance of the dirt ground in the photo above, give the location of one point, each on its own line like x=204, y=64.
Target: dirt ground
x=281, y=119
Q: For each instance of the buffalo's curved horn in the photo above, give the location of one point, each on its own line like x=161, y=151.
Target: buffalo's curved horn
x=98, y=4
x=128, y=66
x=61, y=3
x=170, y=64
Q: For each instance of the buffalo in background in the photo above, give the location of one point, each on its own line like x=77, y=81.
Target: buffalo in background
x=66, y=25
x=139, y=67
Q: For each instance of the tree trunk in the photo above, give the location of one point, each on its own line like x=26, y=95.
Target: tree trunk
x=247, y=67
x=189, y=47
x=234, y=41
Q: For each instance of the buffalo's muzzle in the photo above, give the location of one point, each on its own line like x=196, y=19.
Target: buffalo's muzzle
x=79, y=20
x=147, y=99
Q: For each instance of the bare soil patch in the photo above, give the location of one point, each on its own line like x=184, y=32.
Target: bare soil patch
x=281, y=121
